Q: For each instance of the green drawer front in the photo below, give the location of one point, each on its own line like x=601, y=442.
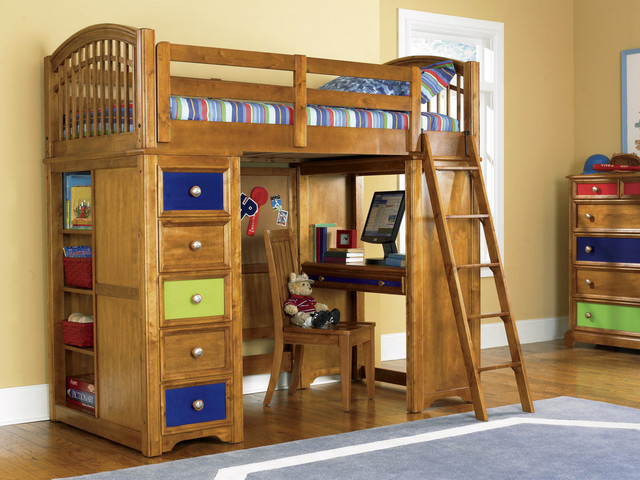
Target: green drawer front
x=179, y=298
x=611, y=317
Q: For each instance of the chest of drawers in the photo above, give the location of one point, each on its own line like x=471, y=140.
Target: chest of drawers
x=604, y=260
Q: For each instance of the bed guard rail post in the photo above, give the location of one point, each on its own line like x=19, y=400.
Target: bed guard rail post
x=415, y=122
x=472, y=105
x=163, y=90
x=300, y=108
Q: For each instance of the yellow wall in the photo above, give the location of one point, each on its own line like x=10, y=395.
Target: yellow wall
x=542, y=42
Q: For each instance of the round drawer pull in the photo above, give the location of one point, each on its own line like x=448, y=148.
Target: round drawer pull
x=197, y=352
x=588, y=249
x=589, y=283
x=198, y=405
x=588, y=216
x=195, y=245
x=595, y=189
x=381, y=283
x=321, y=278
x=196, y=299
x=587, y=315
x=195, y=191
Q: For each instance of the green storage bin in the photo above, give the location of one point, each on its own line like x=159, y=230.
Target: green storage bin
x=179, y=299
x=611, y=317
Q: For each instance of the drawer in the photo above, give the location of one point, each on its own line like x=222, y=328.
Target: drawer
x=192, y=353
x=630, y=188
x=195, y=404
x=597, y=189
x=192, y=245
x=194, y=298
x=622, y=318
x=608, y=249
x=611, y=283
x=607, y=216
x=192, y=191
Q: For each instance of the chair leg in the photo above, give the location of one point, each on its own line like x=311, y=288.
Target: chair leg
x=275, y=373
x=298, y=356
x=345, y=371
x=368, y=349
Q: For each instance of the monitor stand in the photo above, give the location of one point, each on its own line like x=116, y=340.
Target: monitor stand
x=388, y=247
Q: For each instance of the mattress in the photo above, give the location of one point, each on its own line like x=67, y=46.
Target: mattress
x=215, y=110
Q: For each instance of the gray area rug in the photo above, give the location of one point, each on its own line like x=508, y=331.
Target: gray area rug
x=567, y=438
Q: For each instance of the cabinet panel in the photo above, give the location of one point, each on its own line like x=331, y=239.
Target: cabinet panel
x=192, y=245
x=612, y=283
x=194, y=298
x=607, y=216
x=597, y=189
x=195, y=404
x=192, y=191
x=622, y=318
x=608, y=249
x=191, y=353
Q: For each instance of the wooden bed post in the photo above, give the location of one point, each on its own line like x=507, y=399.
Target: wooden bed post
x=300, y=109
x=163, y=59
x=416, y=113
x=145, y=97
x=472, y=105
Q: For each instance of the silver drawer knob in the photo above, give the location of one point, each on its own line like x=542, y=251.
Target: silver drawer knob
x=595, y=189
x=195, y=191
x=195, y=245
x=587, y=315
x=588, y=249
x=588, y=216
x=588, y=282
x=198, y=405
x=196, y=299
x=197, y=352
x=381, y=283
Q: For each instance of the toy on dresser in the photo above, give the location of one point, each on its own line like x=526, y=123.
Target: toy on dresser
x=303, y=309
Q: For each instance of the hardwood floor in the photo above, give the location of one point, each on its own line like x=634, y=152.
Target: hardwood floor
x=45, y=450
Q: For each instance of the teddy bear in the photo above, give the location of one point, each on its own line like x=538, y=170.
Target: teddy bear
x=303, y=309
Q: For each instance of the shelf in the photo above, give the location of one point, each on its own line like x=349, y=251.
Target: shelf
x=78, y=408
x=77, y=231
x=84, y=350
x=82, y=291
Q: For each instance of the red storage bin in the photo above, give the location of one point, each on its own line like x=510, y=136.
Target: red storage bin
x=77, y=272
x=77, y=334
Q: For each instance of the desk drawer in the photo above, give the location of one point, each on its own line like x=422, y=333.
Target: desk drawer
x=597, y=189
x=608, y=249
x=360, y=280
x=195, y=404
x=611, y=283
x=192, y=191
x=622, y=318
x=192, y=353
x=193, y=299
x=630, y=188
x=192, y=245
x=607, y=216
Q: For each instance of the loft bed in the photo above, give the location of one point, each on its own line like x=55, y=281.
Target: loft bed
x=111, y=88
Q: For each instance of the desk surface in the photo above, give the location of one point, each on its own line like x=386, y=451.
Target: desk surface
x=360, y=278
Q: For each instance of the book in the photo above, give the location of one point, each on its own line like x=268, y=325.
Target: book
x=346, y=250
x=80, y=207
x=81, y=391
x=344, y=260
x=314, y=236
x=69, y=180
x=395, y=262
x=330, y=253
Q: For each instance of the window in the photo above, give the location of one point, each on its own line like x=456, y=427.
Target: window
x=421, y=33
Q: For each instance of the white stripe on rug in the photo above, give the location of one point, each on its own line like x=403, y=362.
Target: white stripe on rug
x=241, y=471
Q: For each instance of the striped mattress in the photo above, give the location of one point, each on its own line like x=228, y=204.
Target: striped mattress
x=214, y=110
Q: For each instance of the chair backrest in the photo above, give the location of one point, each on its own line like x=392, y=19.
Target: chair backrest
x=281, y=260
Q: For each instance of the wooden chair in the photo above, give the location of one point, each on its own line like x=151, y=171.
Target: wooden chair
x=282, y=260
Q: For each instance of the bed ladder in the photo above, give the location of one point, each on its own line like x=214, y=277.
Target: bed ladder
x=470, y=163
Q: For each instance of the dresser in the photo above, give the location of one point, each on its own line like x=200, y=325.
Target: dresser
x=604, y=260
x=165, y=364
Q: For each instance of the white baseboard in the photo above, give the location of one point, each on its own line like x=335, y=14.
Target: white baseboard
x=24, y=404
x=393, y=346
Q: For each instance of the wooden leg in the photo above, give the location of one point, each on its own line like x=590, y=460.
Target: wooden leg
x=368, y=349
x=298, y=356
x=345, y=371
x=275, y=373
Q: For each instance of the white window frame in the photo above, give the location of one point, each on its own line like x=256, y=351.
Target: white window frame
x=413, y=23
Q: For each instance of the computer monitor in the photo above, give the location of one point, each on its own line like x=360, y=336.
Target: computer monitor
x=383, y=222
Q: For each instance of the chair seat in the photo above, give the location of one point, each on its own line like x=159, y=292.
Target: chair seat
x=339, y=329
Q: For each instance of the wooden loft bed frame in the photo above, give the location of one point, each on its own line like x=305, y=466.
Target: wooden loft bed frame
x=107, y=65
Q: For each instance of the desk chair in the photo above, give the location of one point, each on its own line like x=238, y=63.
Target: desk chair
x=282, y=261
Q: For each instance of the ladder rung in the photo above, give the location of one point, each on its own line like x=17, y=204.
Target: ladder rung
x=499, y=366
x=456, y=168
x=467, y=216
x=488, y=315
x=478, y=265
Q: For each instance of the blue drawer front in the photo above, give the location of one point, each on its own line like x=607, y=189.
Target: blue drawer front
x=604, y=249
x=177, y=185
x=180, y=409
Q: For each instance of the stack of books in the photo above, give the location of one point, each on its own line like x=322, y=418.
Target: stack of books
x=347, y=256
x=77, y=200
x=396, y=260
x=81, y=391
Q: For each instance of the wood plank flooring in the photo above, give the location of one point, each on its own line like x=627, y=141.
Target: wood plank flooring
x=45, y=450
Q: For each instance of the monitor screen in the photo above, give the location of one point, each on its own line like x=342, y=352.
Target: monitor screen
x=384, y=218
